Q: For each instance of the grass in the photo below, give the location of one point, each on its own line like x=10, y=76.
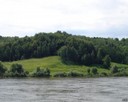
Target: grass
x=120, y=66
x=55, y=64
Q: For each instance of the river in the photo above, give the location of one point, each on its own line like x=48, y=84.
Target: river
x=64, y=90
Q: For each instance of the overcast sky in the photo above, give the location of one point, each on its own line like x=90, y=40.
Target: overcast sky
x=95, y=18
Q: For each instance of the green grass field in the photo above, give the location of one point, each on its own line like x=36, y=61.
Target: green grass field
x=55, y=64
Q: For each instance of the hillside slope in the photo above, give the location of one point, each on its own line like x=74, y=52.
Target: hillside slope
x=55, y=64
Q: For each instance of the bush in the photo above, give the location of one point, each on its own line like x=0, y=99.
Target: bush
x=88, y=71
x=103, y=74
x=114, y=70
x=2, y=69
x=94, y=71
x=16, y=70
x=121, y=74
x=74, y=74
x=41, y=72
x=60, y=74
x=122, y=69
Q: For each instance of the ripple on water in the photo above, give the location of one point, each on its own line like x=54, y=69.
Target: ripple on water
x=64, y=90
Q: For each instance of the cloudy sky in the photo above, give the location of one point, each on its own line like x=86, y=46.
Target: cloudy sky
x=95, y=18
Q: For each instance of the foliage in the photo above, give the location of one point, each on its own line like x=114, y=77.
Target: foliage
x=68, y=74
x=94, y=71
x=41, y=72
x=99, y=56
x=68, y=54
x=103, y=74
x=74, y=74
x=88, y=70
x=16, y=70
x=60, y=74
x=56, y=66
x=114, y=69
x=54, y=63
x=2, y=69
x=76, y=49
x=107, y=61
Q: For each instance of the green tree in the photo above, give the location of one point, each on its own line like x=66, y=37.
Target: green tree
x=107, y=61
x=86, y=59
x=68, y=54
x=99, y=56
x=79, y=48
x=17, y=70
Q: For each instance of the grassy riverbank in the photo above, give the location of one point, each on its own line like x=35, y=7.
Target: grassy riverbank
x=55, y=65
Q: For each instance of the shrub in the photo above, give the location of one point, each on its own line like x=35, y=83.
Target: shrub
x=94, y=71
x=121, y=74
x=41, y=72
x=88, y=71
x=114, y=69
x=74, y=74
x=2, y=69
x=103, y=74
x=16, y=70
x=60, y=74
x=122, y=69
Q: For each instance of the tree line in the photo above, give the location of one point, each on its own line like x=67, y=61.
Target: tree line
x=74, y=49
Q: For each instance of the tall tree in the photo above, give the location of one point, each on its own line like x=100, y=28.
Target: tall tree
x=107, y=61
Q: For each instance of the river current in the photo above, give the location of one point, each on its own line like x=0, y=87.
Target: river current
x=64, y=90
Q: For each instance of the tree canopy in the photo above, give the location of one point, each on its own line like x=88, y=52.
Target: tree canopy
x=71, y=48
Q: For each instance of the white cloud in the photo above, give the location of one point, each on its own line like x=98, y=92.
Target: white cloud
x=21, y=17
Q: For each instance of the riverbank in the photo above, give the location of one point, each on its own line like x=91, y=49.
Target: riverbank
x=36, y=67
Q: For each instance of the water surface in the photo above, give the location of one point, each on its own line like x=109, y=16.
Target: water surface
x=64, y=90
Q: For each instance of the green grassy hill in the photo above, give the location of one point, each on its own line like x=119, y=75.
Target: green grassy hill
x=55, y=64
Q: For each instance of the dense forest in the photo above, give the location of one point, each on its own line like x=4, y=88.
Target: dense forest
x=74, y=49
